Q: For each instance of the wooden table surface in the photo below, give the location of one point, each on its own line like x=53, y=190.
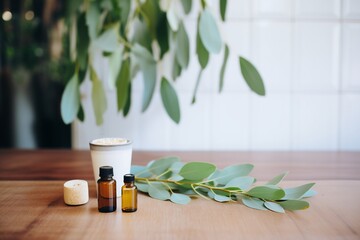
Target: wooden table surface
x=32, y=207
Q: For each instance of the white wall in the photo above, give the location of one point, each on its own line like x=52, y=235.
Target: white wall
x=308, y=53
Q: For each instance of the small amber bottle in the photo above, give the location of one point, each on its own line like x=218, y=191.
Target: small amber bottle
x=129, y=194
x=106, y=190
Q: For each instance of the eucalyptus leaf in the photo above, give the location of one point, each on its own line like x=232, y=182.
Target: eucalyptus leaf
x=182, y=50
x=223, y=67
x=170, y=100
x=176, y=167
x=82, y=42
x=128, y=102
x=125, y=7
x=122, y=84
x=202, y=53
x=92, y=19
x=252, y=77
x=209, y=32
x=81, y=114
x=148, y=68
x=268, y=192
x=274, y=207
x=294, y=205
x=98, y=97
x=176, y=70
x=196, y=171
x=309, y=193
x=158, y=192
x=140, y=171
x=108, y=40
x=254, y=203
x=230, y=172
x=297, y=192
x=223, y=4
x=220, y=198
x=162, y=35
x=243, y=183
x=196, y=87
x=161, y=165
x=115, y=60
x=143, y=187
x=180, y=198
x=276, y=180
x=176, y=177
x=150, y=11
x=70, y=100
x=186, y=5
x=141, y=35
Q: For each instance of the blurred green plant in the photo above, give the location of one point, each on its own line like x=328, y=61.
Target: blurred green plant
x=170, y=179
x=135, y=36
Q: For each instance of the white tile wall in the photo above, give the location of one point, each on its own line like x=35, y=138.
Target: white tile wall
x=317, y=9
x=308, y=53
x=350, y=122
x=351, y=57
x=316, y=56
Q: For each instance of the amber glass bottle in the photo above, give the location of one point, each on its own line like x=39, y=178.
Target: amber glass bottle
x=106, y=190
x=129, y=194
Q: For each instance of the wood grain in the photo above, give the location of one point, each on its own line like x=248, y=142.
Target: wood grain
x=35, y=210
x=69, y=164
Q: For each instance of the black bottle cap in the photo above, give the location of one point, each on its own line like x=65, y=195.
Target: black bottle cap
x=106, y=171
x=129, y=178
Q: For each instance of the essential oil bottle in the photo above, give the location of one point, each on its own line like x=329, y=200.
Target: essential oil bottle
x=106, y=190
x=129, y=194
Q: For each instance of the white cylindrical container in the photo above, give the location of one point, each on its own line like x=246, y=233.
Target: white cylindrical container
x=76, y=192
x=115, y=152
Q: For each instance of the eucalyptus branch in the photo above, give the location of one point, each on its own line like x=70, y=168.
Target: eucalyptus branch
x=227, y=185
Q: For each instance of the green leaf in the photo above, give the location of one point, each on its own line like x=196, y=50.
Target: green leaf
x=150, y=12
x=276, y=180
x=81, y=114
x=268, y=192
x=243, y=183
x=70, y=100
x=223, y=67
x=182, y=50
x=141, y=35
x=176, y=71
x=128, y=102
x=225, y=175
x=209, y=32
x=148, y=68
x=170, y=100
x=82, y=42
x=98, y=97
x=92, y=19
x=158, y=192
x=176, y=167
x=221, y=198
x=176, y=177
x=186, y=5
x=122, y=84
x=143, y=187
x=196, y=87
x=125, y=7
x=202, y=53
x=274, y=207
x=108, y=40
x=252, y=77
x=297, y=192
x=309, y=193
x=294, y=205
x=254, y=203
x=180, y=198
x=115, y=60
x=140, y=171
x=161, y=165
x=196, y=171
x=162, y=35
x=223, y=4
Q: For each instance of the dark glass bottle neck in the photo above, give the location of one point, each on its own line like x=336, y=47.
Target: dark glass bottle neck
x=129, y=184
x=106, y=178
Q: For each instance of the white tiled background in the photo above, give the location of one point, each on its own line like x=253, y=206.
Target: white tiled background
x=308, y=53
